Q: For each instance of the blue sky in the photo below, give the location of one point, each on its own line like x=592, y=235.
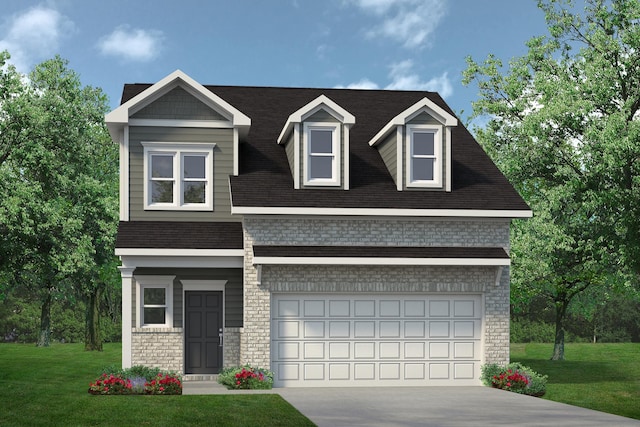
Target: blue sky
x=394, y=44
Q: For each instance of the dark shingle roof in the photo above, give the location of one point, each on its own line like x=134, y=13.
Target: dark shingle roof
x=378, y=252
x=179, y=235
x=265, y=178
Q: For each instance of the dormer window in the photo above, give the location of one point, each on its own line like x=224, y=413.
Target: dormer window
x=178, y=176
x=424, y=156
x=316, y=140
x=321, y=154
x=416, y=147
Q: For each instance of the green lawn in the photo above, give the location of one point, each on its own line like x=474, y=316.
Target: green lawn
x=48, y=387
x=604, y=377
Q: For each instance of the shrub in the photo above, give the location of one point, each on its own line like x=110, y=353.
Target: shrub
x=514, y=377
x=246, y=377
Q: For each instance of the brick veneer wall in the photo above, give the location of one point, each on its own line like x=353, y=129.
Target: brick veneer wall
x=261, y=230
x=157, y=347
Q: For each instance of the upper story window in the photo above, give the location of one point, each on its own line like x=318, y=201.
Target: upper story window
x=321, y=154
x=424, y=156
x=178, y=176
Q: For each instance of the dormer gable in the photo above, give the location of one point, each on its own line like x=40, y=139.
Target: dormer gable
x=177, y=85
x=316, y=140
x=416, y=147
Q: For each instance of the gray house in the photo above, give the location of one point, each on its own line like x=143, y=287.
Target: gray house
x=338, y=237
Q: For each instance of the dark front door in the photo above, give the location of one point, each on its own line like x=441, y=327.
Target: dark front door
x=203, y=335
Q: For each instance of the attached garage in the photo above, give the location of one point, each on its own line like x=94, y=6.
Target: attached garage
x=327, y=340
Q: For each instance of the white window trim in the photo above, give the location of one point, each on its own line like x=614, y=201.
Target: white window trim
x=437, y=166
x=165, y=282
x=335, y=147
x=178, y=150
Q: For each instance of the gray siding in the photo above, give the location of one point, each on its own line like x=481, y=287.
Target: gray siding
x=388, y=152
x=322, y=116
x=290, y=149
x=222, y=168
x=423, y=118
x=232, y=295
x=178, y=104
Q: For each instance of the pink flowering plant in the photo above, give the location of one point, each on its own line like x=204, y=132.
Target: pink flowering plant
x=136, y=380
x=247, y=378
x=510, y=380
x=514, y=377
x=164, y=384
x=110, y=384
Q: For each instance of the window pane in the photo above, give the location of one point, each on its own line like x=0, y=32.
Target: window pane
x=154, y=316
x=321, y=141
x=321, y=167
x=162, y=192
x=422, y=169
x=194, y=167
x=162, y=166
x=423, y=143
x=154, y=296
x=194, y=192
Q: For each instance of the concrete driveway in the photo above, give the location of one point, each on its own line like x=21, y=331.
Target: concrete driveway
x=438, y=406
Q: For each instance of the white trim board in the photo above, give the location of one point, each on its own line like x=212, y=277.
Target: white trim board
x=379, y=261
x=390, y=212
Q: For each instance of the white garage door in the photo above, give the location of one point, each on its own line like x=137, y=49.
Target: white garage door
x=321, y=340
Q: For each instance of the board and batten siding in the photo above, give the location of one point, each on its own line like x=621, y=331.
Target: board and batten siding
x=232, y=292
x=222, y=168
x=319, y=117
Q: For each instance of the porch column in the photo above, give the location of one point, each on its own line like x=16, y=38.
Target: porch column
x=127, y=281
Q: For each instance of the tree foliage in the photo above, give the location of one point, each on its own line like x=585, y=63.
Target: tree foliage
x=58, y=186
x=563, y=125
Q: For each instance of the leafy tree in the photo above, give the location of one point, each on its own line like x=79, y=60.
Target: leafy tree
x=563, y=126
x=58, y=186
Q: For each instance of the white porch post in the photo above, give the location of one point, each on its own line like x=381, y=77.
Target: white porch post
x=127, y=275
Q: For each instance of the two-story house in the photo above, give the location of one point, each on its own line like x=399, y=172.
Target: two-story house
x=335, y=236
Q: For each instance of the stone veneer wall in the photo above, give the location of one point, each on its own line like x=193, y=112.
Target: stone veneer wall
x=157, y=347
x=262, y=230
x=231, y=347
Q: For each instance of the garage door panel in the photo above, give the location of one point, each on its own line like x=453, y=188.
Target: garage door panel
x=368, y=340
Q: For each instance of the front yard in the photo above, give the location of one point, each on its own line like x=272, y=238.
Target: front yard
x=48, y=386
x=604, y=377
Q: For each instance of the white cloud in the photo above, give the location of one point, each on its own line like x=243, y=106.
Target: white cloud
x=35, y=35
x=132, y=44
x=403, y=77
x=361, y=84
x=409, y=22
